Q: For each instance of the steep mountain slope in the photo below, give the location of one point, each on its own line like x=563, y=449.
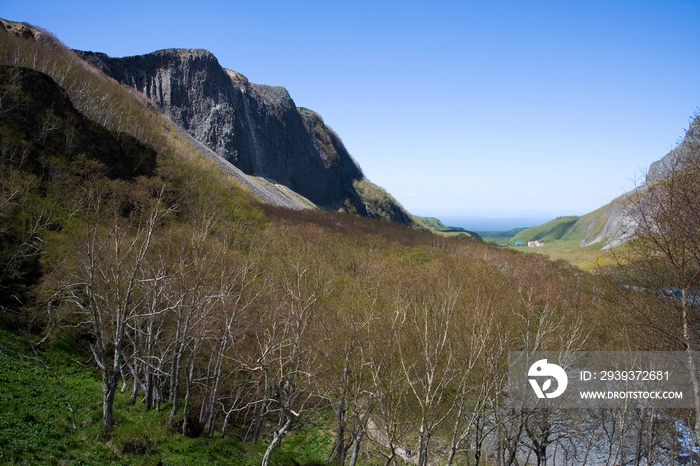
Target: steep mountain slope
x=256, y=128
x=45, y=139
x=609, y=225
x=612, y=224
x=119, y=108
x=39, y=126
x=679, y=156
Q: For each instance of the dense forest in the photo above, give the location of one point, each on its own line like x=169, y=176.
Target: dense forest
x=214, y=316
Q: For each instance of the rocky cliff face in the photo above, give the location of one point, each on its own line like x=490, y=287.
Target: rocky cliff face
x=613, y=223
x=257, y=128
x=680, y=156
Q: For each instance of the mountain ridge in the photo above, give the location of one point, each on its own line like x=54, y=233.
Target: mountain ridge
x=257, y=128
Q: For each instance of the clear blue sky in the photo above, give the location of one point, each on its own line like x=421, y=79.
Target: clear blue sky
x=512, y=109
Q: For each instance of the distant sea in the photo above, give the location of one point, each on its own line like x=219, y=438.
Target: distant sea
x=494, y=223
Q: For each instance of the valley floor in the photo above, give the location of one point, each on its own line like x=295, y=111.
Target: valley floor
x=586, y=258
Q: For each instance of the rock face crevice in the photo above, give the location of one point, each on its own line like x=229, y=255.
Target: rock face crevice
x=257, y=128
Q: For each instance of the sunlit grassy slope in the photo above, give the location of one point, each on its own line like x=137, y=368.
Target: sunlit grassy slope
x=562, y=240
x=557, y=229
x=44, y=394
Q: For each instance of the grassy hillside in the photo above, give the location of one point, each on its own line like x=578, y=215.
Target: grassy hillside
x=501, y=235
x=563, y=238
x=374, y=202
x=433, y=223
x=559, y=228
x=599, y=228
x=440, y=228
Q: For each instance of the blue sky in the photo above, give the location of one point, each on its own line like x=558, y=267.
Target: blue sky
x=511, y=110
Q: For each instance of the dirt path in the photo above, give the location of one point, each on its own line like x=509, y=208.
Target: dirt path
x=379, y=436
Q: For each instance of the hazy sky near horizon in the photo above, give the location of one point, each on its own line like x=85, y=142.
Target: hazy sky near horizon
x=459, y=109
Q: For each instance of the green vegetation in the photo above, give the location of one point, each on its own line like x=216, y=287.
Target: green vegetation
x=41, y=396
x=597, y=227
x=375, y=202
x=50, y=414
x=436, y=225
x=433, y=223
x=562, y=239
x=500, y=236
x=440, y=228
x=588, y=258
x=556, y=229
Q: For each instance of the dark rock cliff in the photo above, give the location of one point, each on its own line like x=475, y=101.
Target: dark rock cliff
x=257, y=128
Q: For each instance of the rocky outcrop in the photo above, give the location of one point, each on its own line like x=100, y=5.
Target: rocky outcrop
x=611, y=224
x=686, y=152
x=614, y=223
x=27, y=31
x=256, y=128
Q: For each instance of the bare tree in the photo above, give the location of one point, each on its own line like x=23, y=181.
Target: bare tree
x=484, y=344
x=236, y=291
x=289, y=339
x=349, y=358
x=658, y=270
x=431, y=356
x=110, y=283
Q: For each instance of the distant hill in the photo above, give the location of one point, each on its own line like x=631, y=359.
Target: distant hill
x=559, y=228
x=501, y=234
x=436, y=225
x=607, y=225
x=611, y=225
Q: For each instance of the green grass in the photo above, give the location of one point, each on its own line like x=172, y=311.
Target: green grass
x=556, y=229
x=436, y=226
x=586, y=258
x=499, y=236
x=38, y=391
x=432, y=223
x=562, y=239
